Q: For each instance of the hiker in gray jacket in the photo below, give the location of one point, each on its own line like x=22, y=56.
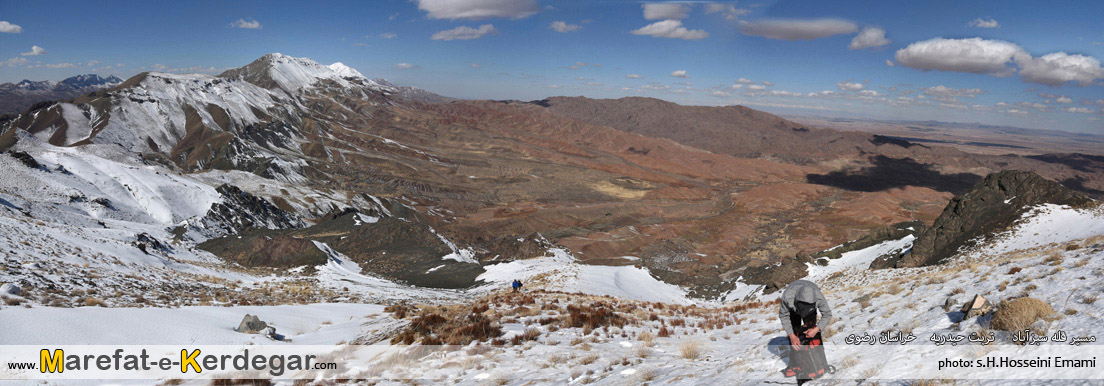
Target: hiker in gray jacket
x=798, y=312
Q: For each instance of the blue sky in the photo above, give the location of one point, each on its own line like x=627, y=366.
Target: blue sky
x=1026, y=64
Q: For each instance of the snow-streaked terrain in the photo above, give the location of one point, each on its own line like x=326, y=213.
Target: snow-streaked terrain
x=105, y=243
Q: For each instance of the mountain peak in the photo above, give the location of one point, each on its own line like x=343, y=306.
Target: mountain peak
x=345, y=71
x=292, y=74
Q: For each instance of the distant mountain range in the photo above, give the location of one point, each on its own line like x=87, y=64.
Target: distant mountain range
x=16, y=97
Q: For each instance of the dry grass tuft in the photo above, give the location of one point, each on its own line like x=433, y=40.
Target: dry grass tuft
x=1020, y=314
x=691, y=350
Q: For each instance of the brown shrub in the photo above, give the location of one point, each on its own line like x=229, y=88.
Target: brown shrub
x=93, y=302
x=1020, y=314
x=398, y=310
x=593, y=316
x=1014, y=270
x=434, y=329
x=530, y=334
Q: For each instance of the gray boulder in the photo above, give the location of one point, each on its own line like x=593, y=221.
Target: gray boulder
x=251, y=324
x=10, y=289
x=977, y=306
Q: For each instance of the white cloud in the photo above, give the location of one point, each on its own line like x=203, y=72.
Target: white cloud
x=850, y=86
x=475, y=65
x=666, y=11
x=975, y=55
x=478, y=9
x=388, y=35
x=785, y=93
x=578, y=65
x=465, y=33
x=721, y=94
x=634, y=76
x=798, y=29
x=1064, y=100
x=1056, y=69
x=869, y=37
x=768, y=83
x=671, y=29
x=404, y=66
x=744, y=81
x=729, y=11
x=945, y=91
x=1079, y=110
x=9, y=28
x=871, y=93
x=890, y=63
x=251, y=24
x=981, y=56
x=982, y=23
x=680, y=74
x=35, y=51
x=1034, y=105
x=756, y=87
x=563, y=27
x=93, y=63
x=16, y=61
x=61, y=65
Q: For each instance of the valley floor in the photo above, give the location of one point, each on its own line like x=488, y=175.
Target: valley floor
x=551, y=336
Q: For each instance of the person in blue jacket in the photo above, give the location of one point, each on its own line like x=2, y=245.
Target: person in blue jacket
x=516, y=285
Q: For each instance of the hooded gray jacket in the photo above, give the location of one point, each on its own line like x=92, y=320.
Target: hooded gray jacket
x=807, y=292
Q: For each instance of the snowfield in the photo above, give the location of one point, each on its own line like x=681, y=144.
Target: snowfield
x=698, y=349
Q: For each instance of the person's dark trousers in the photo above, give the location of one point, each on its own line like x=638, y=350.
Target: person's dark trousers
x=810, y=361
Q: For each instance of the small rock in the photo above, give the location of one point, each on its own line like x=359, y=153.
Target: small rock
x=977, y=306
x=948, y=304
x=10, y=289
x=251, y=324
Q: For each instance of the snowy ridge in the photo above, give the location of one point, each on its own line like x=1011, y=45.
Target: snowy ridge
x=155, y=108
x=561, y=272
x=293, y=74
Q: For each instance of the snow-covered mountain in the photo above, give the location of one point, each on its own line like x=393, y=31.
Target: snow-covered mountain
x=16, y=97
x=152, y=168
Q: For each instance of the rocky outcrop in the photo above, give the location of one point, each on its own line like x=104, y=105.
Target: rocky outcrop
x=875, y=237
x=266, y=248
x=241, y=210
x=990, y=206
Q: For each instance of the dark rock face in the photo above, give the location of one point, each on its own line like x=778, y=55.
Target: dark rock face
x=990, y=206
x=875, y=237
x=242, y=210
x=26, y=159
